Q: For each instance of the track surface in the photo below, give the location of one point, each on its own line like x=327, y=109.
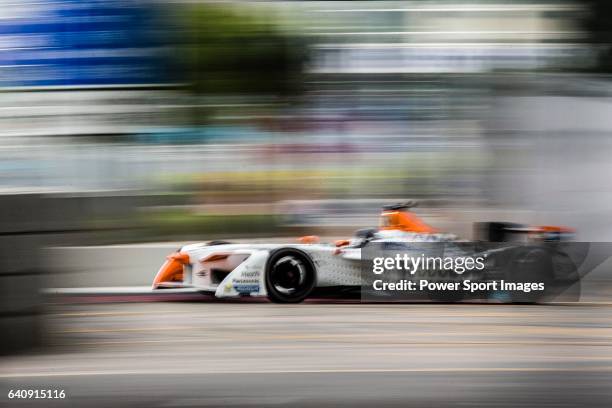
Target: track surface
x=190, y=354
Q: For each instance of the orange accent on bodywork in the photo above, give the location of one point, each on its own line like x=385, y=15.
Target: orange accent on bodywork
x=404, y=221
x=309, y=239
x=555, y=228
x=181, y=257
x=216, y=257
x=342, y=242
x=223, y=261
x=172, y=269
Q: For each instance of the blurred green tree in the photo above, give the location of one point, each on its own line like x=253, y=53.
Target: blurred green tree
x=598, y=25
x=226, y=51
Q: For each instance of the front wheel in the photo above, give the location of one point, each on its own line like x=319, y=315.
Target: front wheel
x=290, y=275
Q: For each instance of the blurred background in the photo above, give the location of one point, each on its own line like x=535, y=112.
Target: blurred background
x=127, y=126
x=147, y=121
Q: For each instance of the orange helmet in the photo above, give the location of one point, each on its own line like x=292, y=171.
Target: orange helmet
x=397, y=217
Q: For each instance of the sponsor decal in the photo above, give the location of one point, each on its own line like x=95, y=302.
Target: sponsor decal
x=246, y=287
x=250, y=274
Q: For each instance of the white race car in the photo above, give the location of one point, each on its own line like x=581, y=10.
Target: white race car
x=287, y=273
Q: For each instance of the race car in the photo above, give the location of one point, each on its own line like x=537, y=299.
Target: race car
x=289, y=273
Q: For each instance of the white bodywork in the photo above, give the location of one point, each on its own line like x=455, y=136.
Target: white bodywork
x=248, y=278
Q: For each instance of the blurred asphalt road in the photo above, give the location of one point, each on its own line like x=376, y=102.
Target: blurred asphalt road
x=190, y=354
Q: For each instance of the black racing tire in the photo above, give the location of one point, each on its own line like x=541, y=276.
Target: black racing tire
x=290, y=275
x=530, y=265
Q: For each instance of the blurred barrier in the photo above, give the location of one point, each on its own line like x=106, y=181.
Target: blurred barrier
x=30, y=222
x=21, y=237
x=103, y=266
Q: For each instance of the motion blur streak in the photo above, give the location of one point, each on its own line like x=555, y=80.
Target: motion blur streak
x=211, y=354
x=128, y=127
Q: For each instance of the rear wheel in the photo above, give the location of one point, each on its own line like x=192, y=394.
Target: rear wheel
x=290, y=276
x=530, y=266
